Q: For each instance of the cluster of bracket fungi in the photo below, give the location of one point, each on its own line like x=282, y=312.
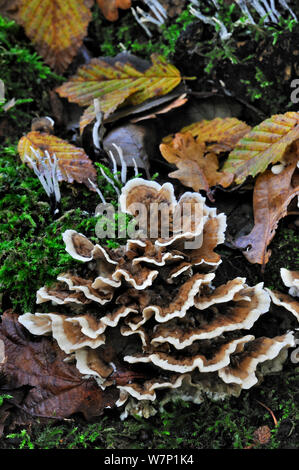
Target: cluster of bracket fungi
x=150, y=307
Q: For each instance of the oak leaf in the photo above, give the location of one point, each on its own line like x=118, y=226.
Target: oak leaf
x=73, y=163
x=110, y=7
x=265, y=144
x=57, y=389
x=198, y=168
x=271, y=196
x=56, y=27
x=124, y=79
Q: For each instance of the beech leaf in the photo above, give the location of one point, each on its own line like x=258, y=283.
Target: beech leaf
x=271, y=197
x=264, y=144
x=73, y=163
x=57, y=389
x=120, y=80
x=219, y=134
x=56, y=27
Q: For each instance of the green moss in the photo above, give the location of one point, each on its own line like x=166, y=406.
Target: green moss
x=26, y=77
x=114, y=38
x=32, y=252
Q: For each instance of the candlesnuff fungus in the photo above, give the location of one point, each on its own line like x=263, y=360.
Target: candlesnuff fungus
x=150, y=308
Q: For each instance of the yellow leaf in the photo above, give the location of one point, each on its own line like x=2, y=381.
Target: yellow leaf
x=219, y=134
x=115, y=83
x=111, y=102
x=73, y=163
x=266, y=143
x=56, y=27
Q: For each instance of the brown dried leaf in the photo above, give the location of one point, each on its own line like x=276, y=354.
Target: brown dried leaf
x=180, y=101
x=110, y=7
x=57, y=387
x=198, y=168
x=271, y=197
x=73, y=163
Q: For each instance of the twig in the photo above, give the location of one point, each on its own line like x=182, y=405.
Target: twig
x=270, y=411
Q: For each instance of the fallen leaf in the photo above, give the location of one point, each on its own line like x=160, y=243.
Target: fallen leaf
x=219, y=134
x=190, y=174
x=73, y=163
x=264, y=144
x=155, y=105
x=174, y=104
x=271, y=196
x=110, y=7
x=56, y=27
x=124, y=79
x=10, y=410
x=57, y=389
x=198, y=168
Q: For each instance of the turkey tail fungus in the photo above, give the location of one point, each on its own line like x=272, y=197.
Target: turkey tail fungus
x=150, y=306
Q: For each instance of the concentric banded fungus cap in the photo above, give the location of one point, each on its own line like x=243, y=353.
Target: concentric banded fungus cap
x=242, y=369
x=164, y=219
x=146, y=318
x=291, y=280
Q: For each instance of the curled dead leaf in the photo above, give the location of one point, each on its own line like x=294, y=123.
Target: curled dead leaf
x=198, y=168
x=271, y=197
x=180, y=101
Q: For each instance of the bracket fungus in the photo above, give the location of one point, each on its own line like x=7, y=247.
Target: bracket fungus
x=149, y=308
x=287, y=301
